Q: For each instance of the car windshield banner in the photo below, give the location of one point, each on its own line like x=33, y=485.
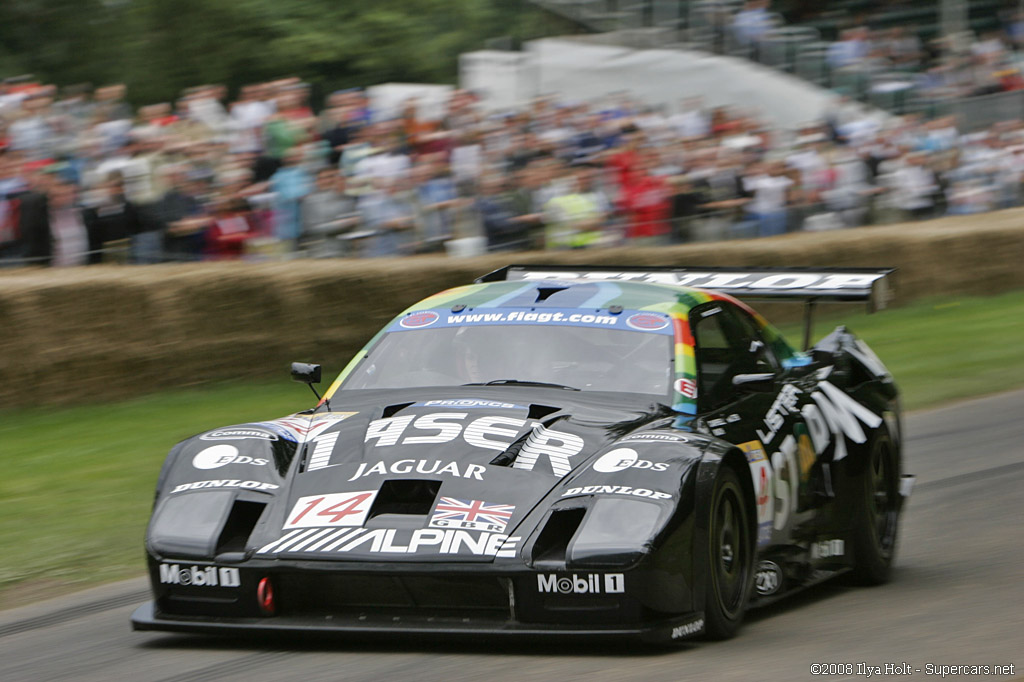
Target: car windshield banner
x=629, y=320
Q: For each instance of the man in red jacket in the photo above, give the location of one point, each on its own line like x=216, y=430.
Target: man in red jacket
x=646, y=201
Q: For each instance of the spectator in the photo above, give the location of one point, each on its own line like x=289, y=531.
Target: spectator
x=387, y=210
x=850, y=50
x=67, y=225
x=328, y=216
x=769, y=185
x=751, y=23
x=436, y=202
x=34, y=215
x=11, y=186
x=32, y=133
x=289, y=185
x=498, y=217
x=575, y=215
x=914, y=187
x=647, y=204
x=115, y=221
x=184, y=216
x=229, y=229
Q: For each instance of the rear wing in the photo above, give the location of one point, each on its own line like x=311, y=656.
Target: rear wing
x=807, y=285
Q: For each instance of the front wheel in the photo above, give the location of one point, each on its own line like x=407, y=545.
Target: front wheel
x=730, y=557
x=876, y=511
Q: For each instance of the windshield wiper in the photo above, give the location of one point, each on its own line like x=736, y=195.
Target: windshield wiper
x=520, y=382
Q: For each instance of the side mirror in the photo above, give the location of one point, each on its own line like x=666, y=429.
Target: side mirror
x=305, y=373
x=755, y=383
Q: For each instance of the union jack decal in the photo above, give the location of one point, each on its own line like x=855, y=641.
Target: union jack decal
x=471, y=515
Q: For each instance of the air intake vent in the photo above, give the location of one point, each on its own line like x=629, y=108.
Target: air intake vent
x=544, y=293
x=508, y=457
x=554, y=539
x=242, y=519
x=541, y=411
x=392, y=410
x=408, y=497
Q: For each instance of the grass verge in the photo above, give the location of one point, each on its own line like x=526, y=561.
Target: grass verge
x=78, y=483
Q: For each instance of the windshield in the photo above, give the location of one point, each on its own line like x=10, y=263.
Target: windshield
x=584, y=358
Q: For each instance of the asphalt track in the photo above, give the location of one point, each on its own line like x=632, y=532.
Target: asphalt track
x=956, y=598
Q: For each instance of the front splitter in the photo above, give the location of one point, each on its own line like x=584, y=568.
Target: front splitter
x=666, y=631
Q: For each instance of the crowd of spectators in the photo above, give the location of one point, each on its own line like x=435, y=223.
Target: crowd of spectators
x=895, y=57
x=84, y=178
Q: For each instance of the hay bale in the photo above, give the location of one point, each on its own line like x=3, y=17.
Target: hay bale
x=110, y=332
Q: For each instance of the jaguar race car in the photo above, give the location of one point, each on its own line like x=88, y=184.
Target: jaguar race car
x=573, y=451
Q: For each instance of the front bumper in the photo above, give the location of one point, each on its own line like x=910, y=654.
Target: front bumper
x=649, y=604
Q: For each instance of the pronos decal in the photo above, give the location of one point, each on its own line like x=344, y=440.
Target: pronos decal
x=217, y=456
x=425, y=541
x=593, y=583
x=224, y=483
x=332, y=510
x=470, y=403
x=199, y=576
x=625, y=458
x=471, y=515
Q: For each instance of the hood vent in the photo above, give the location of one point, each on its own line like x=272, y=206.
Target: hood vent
x=508, y=457
x=544, y=293
x=559, y=530
x=541, y=411
x=405, y=497
x=392, y=410
x=241, y=520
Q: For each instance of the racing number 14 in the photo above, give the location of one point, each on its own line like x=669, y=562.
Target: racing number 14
x=344, y=509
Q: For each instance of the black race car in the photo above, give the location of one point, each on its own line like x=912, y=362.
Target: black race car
x=580, y=451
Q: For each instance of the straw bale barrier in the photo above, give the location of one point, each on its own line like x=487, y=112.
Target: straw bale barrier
x=108, y=332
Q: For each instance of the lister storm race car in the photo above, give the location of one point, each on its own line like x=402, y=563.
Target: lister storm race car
x=588, y=451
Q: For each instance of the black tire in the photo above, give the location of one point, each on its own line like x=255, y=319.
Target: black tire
x=876, y=512
x=730, y=557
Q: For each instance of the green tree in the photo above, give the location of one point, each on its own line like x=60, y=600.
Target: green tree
x=159, y=47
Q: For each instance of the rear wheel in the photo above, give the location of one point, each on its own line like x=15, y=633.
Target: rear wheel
x=876, y=511
x=730, y=557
